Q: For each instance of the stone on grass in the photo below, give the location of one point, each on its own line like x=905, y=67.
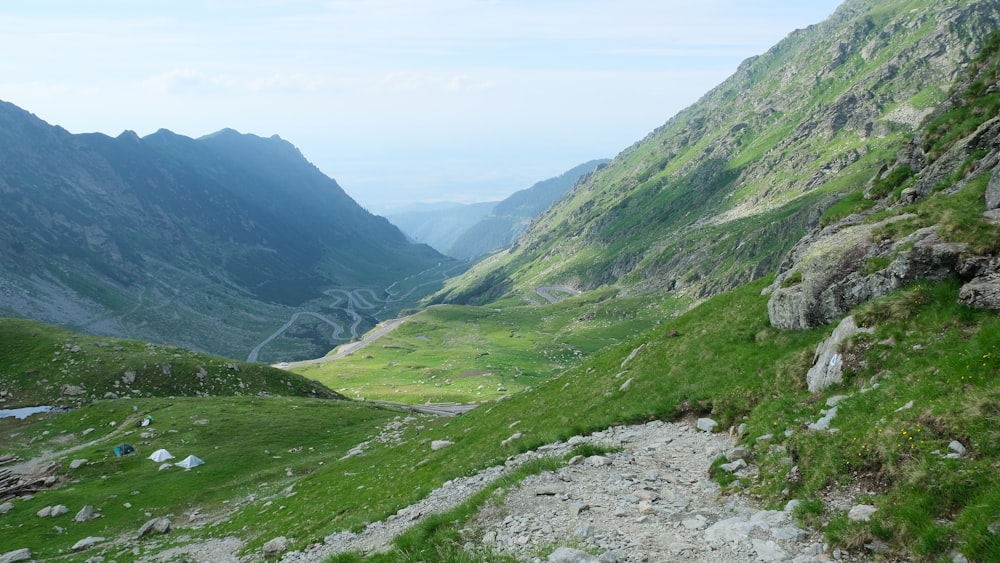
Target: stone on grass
x=957, y=447
x=440, y=444
x=275, y=547
x=733, y=466
x=52, y=511
x=86, y=543
x=159, y=525
x=76, y=463
x=86, y=513
x=6, y=507
x=22, y=554
x=861, y=512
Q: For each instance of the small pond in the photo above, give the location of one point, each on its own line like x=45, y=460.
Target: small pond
x=24, y=412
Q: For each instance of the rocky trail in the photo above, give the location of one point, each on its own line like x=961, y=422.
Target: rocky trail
x=648, y=498
x=652, y=500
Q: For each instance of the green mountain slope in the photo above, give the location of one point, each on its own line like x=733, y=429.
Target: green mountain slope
x=719, y=193
x=45, y=365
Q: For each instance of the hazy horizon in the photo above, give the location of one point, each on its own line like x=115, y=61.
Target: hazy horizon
x=399, y=101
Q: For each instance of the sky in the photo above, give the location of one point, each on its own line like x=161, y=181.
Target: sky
x=400, y=101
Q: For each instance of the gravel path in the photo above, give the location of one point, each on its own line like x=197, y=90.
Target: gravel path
x=650, y=501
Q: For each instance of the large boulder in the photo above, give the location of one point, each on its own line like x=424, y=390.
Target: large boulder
x=23, y=554
x=829, y=272
x=982, y=292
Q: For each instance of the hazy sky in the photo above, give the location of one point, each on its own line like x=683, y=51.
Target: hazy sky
x=398, y=100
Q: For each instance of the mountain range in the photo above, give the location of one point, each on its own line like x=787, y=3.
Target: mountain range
x=716, y=196
x=470, y=231
x=210, y=243
x=805, y=263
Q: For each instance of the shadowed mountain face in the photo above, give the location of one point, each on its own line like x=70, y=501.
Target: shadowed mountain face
x=164, y=236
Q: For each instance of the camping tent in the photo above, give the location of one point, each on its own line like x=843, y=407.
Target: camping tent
x=189, y=462
x=161, y=455
x=124, y=449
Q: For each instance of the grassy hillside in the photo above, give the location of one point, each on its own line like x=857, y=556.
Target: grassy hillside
x=46, y=365
x=453, y=353
x=253, y=448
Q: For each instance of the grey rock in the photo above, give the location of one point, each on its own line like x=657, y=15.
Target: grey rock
x=52, y=511
x=739, y=452
x=570, y=555
x=861, y=512
x=22, y=554
x=598, y=461
x=982, y=292
x=729, y=530
x=159, y=525
x=698, y=522
x=87, y=543
x=789, y=533
x=769, y=551
x=85, y=514
x=610, y=557
x=76, y=463
x=549, y=490
x=824, y=422
x=440, y=444
x=993, y=191
x=706, y=424
x=6, y=507
x=734, y=466
x=72, y=390
x=275, y=547
x=826, y=370
x=577, y=507
x=957, y=447
x=822, y=278
x=584, y=531
x=836, y=399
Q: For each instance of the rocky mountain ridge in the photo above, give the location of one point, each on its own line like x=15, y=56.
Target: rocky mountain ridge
x=873, y=252
x=752, y=166
x=169, y=238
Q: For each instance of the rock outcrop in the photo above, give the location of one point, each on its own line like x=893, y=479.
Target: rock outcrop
x=828, y=363
x=828, y=272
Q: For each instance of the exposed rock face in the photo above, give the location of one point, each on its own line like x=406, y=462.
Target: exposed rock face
x=993, y=191
x=824, y=275
x=982, y=292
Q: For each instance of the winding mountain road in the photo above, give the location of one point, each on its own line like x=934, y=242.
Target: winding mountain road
x=350, y=301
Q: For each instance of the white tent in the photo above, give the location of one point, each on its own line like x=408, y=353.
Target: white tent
x=190, y=461
x=161, y=455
